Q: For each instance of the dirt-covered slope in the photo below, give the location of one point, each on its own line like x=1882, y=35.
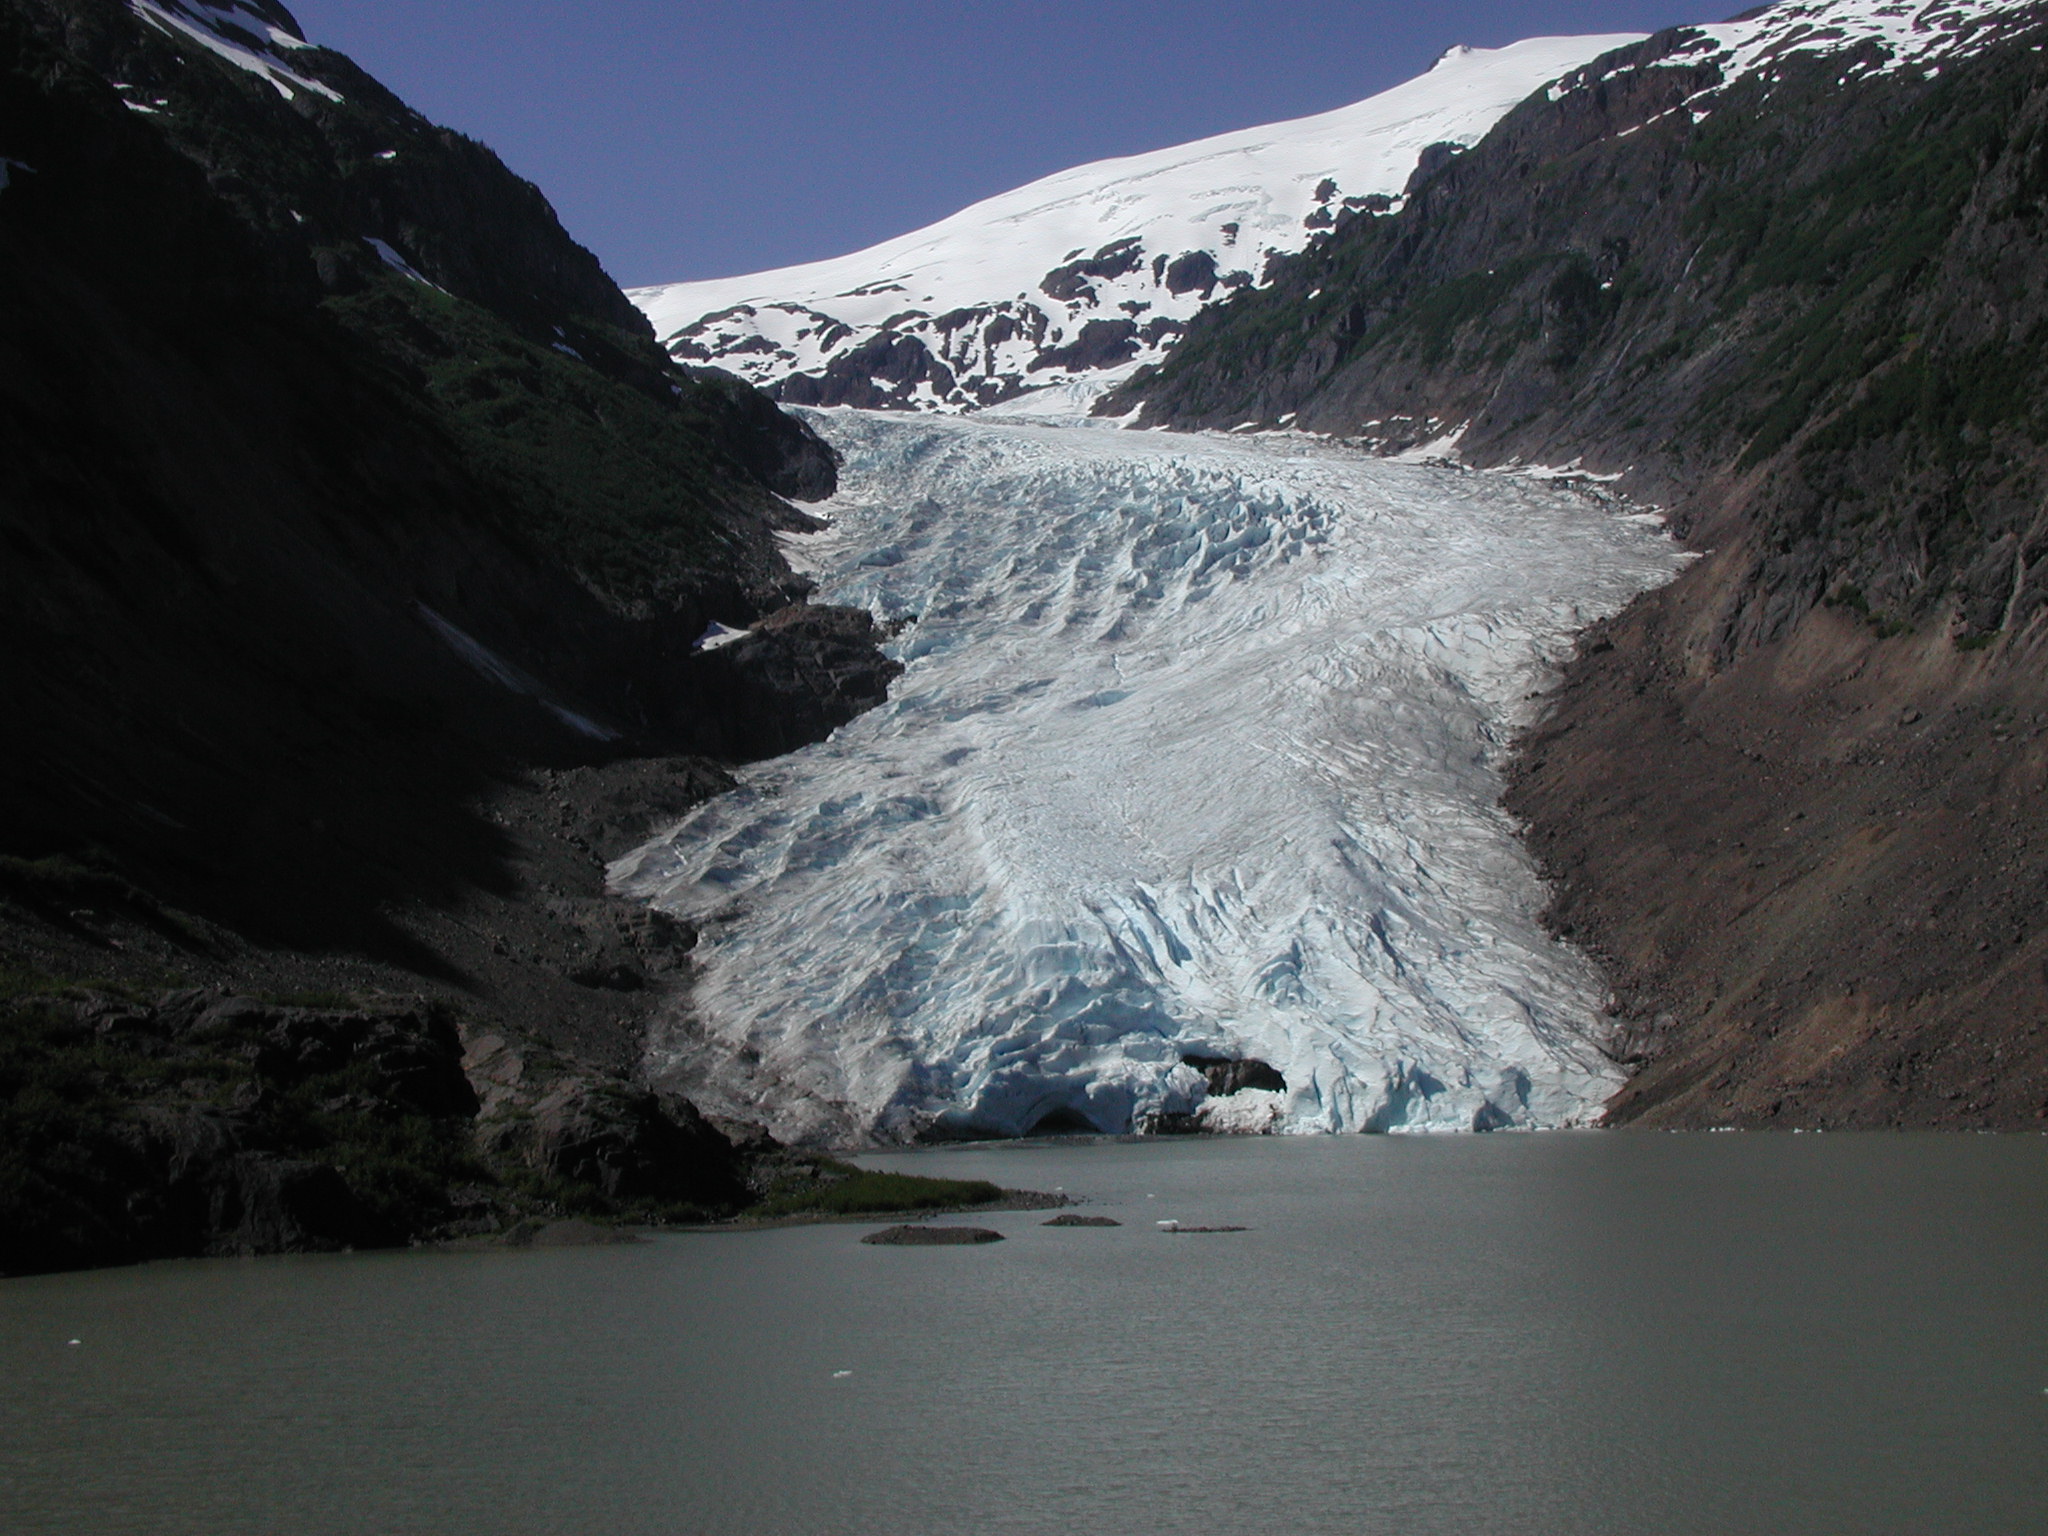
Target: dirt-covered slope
x=341, y=496
x=1793, y=284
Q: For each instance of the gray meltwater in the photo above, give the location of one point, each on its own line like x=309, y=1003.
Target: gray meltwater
x=1564, y=1333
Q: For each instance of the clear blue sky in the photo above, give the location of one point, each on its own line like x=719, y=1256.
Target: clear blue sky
x=700, y=138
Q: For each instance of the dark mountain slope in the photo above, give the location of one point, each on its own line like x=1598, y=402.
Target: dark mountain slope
x=311, y=565
x=1794, y=798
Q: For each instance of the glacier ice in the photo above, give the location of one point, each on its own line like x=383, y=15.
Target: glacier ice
x=1196, y=753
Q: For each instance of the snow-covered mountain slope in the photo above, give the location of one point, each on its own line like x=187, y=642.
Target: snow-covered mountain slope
x=1900, y=33
x=1878, y=36
x=1088, y=274
x=1195, y=755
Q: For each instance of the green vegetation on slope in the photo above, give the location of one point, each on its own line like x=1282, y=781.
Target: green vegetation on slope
x=1837, y=292
x=840, y=1189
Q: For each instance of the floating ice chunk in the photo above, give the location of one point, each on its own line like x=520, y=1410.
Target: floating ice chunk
x=1248, y=1112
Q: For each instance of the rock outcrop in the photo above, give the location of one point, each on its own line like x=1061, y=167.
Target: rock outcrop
x=933, y=1237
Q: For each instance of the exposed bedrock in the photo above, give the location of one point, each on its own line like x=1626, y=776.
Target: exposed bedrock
x=1227, y=1076
x=802, y=670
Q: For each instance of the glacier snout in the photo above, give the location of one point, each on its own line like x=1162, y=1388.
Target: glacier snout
x=1195, y=756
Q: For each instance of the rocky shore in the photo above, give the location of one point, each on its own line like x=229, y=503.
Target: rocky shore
x=173, y=1088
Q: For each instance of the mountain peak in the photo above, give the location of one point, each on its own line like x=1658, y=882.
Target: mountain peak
x=1064, y=286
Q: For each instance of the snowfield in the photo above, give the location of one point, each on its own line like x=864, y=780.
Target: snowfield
x=245, y=34
x=995, y=294
x=1196, y=754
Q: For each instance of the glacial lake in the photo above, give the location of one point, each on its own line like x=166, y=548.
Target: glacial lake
x=1563, y=1332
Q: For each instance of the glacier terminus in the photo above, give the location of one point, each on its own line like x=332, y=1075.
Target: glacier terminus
x=1195, y=756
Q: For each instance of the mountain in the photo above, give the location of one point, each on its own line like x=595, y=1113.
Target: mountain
x=1787, y=276
x=1081, y=277
x=358, y=539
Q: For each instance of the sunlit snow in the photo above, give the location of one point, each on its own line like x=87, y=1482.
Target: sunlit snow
x=1884, y=36
x=1236, y=198
x=238, y=33
x=1196, y=752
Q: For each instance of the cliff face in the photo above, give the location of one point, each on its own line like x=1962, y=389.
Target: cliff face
x=1789, y=799
x=340, y=492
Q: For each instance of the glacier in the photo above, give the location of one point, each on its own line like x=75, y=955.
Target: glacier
x=1196, y=753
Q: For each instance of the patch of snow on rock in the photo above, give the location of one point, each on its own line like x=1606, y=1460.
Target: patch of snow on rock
x=247, y=35
x=1897, y=34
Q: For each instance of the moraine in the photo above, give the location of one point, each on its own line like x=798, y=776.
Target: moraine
x=1196, y=755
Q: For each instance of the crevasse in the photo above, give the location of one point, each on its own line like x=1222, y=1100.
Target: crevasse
x=1196, y=753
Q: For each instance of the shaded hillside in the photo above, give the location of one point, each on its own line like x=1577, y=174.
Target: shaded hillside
x=294, y=534
x=1790, y=798
x=341, y=493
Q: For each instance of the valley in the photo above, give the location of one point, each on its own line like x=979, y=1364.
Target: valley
x=581, y=869
x=1323, y=736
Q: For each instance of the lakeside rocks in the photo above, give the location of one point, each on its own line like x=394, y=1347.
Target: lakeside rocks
x=338, y=670
x=932, y=1237
x=207, y=1124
